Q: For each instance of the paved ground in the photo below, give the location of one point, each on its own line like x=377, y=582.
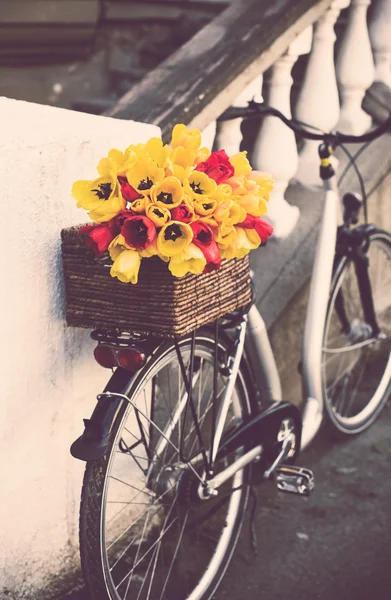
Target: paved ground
x=335, y=545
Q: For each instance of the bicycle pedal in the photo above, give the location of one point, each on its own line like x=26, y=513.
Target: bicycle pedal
x=294, y=480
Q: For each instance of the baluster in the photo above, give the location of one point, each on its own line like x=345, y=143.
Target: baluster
x=380, y=36
x=318, y=100
x=208, y=135
x=229, y=135
x=355, y=70
x=275, y=149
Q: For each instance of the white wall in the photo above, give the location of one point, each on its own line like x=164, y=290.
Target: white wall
x=48, y=376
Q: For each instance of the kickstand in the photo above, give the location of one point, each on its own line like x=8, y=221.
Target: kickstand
x=253, y=535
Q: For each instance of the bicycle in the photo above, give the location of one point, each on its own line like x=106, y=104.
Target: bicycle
x=183, y=428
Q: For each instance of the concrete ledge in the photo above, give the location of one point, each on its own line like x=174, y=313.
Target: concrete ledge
x=48, y=376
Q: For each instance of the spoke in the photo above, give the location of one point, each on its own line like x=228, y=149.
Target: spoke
x=132, y=434
x=171, y=444
x=150, y=494
x=135, y=458
x=154, y=558
x=136, y=520
x=131, y=542
x=342, y=396
x=353, y=394
x=175, y=555
x=119, y=511
x=154, y=544
x=123, y=502
x=336, y=380
x=135, y=558
x=133, y=455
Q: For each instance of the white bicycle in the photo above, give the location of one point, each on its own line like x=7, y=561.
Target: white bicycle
x=183, y=428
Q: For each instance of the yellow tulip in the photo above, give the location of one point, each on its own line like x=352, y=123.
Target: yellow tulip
x=253, y=205
x=230, y=213
x=202, y=155
x=90, y=194
x=190, y=260
x=187, y=138
x=180, y=163
x=223, y=192
x=102, y=197
x=174, y=237
x=126, y=266
x=140, y=205
x=239, y=247
x=240, y=163
x=117, y=245
x=205, y=207
x=143, y=175
x=264, y=181
x=183, y=157
x=159, y=215
x=152, y=250
x=198, y=184
x=211, y=221
x=252, y=237
x=178, y=171
x=157, y=151
x=168, y=193
x=136, y=152
x=149, y=251
x=116, y=163
x=238, y=185
x=225, y=235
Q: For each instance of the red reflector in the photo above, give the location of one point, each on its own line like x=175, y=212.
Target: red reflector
x=105, y=356
x=130, y=359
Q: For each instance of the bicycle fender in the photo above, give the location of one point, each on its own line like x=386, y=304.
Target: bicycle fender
x=97, y=435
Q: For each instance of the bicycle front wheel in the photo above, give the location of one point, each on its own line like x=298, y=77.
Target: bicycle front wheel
x=356, y=367
x=144, y=531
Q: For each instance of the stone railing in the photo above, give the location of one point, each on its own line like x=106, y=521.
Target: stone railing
x=224, y=64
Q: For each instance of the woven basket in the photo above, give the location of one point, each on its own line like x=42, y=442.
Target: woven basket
x=159, y=304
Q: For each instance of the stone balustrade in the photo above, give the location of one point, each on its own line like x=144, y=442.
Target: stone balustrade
x=330, y=94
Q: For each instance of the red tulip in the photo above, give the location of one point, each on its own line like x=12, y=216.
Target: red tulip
x=128, y=192
x=203, y=238
x=138, y=231
x=262, y=227
x=99, y=236
x=217, y=167
x=182, y=213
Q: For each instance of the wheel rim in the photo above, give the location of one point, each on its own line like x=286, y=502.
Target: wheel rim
x=143, y=542
x=356, y=370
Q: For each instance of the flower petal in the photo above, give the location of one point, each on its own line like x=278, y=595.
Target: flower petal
x=126, y=266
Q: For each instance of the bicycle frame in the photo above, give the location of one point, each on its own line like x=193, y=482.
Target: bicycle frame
x=260, y=354
x=257, y=343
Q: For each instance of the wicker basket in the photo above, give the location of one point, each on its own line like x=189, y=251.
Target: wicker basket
x=159, y=304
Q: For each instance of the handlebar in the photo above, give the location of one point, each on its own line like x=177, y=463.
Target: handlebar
x=333, y=138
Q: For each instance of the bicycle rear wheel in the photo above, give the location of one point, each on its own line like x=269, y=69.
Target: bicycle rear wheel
x=356, y=367
x=144, y=532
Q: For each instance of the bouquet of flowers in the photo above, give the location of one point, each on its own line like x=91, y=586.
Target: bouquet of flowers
x=183, y=204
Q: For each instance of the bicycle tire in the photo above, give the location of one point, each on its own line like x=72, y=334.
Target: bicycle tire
x=102, y=583
x=356, y=373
